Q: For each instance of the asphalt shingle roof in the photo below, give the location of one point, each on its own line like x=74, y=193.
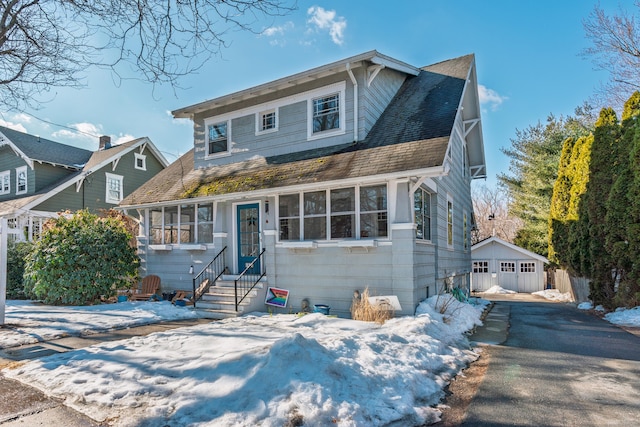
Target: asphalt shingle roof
x=412, y=133
x=45, y=150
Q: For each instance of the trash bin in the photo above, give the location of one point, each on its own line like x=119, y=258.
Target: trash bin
x=321, y=308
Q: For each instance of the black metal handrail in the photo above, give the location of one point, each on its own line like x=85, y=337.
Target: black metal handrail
x=208, y=276
x=246, y=281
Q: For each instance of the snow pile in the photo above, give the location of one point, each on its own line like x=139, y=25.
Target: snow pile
x=587, y=305
x=498, y=290
x=554, y=295
x=625, y=317
x=28, y=322
x=261, y=370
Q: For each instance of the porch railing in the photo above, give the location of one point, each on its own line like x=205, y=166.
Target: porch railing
x=249, y=278
x=208, y=276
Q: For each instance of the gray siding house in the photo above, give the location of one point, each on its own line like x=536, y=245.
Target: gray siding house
x=351, y=175
x=40, y=177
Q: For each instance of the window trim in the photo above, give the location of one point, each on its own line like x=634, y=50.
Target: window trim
x=114, y=177
x=260, y=115
x=178, y=226
x=26, y=180
x=6, y=174
x=143, y=158
x=338, y=89
x=428, y=195
x=212, y=122
x=450, y=222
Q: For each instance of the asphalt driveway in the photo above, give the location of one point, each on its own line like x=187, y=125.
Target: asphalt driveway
x=559, y=366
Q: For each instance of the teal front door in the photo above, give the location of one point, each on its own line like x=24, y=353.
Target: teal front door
x=248, y=226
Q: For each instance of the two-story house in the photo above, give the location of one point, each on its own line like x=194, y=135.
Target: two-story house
x=350, y=175
x=40, y=177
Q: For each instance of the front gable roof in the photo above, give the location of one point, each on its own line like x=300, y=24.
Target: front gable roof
x=98, y=160
x=410, y=139
x=497, y=241
x=36, y=149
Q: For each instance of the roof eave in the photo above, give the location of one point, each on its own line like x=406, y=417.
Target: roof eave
x=293, y=80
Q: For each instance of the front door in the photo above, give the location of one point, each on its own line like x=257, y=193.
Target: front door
x=248, y=217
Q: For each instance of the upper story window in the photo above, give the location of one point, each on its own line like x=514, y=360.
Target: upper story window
x=21, y=180
x=140, y=161
x=5, y=182
x=267, y=121
x=115, y=192
x=218, y=138
x=326, y=113
x=422, y=214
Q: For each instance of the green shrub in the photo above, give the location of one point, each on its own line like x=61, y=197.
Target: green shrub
x=81, y=258
x=16, y=252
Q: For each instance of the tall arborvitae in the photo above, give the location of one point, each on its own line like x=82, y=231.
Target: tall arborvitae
x=579, y=175
x=598, y=260
x=558, y=212
x=625, y=216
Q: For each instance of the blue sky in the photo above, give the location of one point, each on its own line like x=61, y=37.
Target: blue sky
x=527, y=57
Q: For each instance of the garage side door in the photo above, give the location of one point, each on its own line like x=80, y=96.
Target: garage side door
x=528, y=278
x=480, y=277
x=507, y=275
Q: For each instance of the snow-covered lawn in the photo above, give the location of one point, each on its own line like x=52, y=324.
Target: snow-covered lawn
x=28, y=322
x=261, y=370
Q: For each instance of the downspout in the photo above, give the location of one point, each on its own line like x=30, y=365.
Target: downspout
x=355, y=102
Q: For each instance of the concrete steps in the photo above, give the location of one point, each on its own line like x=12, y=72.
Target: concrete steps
x=220, y=302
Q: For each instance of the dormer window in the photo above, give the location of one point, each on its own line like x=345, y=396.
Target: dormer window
x=326, y=113
x=21, y=180
x=218, y=138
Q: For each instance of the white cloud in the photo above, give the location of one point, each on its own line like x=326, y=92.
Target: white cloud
x=122, y=138
x=85, y=131
x=15, y=126
x=323, y=19
x=490, y=97
x=276, y=34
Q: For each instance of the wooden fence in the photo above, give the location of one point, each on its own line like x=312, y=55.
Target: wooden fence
x=564, y=282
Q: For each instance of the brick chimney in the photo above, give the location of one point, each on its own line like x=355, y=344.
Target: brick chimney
x=105, y=142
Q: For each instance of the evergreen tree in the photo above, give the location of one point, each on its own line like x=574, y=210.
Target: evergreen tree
x=624, y=224
x=599, y=262
x=534, y=155
x=558, y=212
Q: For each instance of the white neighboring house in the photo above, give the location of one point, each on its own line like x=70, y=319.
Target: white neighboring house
x=496, y=262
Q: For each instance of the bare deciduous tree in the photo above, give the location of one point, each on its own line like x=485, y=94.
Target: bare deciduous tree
x=491, y=210
x=50, y=43
x=615, y=49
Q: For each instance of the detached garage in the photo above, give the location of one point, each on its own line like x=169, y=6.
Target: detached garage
x=496, y=262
